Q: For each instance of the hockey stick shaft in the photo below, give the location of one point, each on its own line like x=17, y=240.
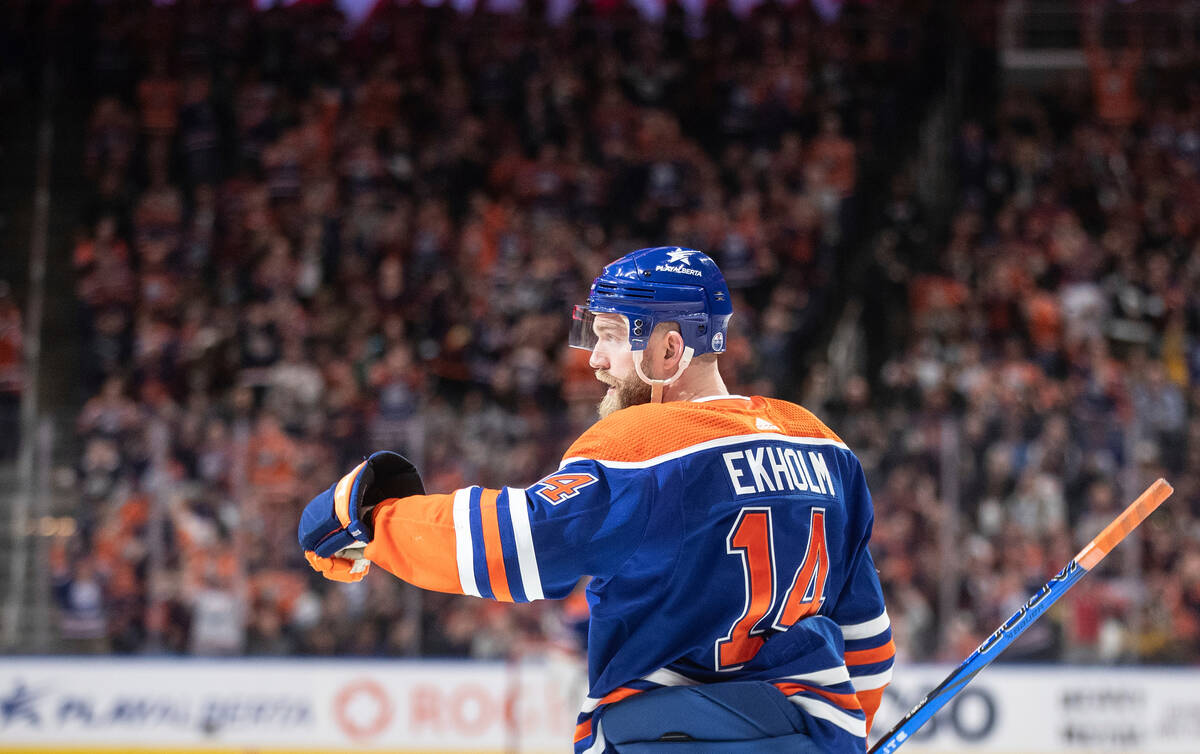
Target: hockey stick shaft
x=991, y=648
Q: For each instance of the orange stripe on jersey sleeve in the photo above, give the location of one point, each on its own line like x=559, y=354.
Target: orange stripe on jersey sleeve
x=414, y=540
x=645, y=431
x=493, y=550
x=870, y=656
x=583, y=730
x=870, y=701
x=622, y=693
x=846, y=701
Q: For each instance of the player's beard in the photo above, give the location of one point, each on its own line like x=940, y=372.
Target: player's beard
x=627, y=392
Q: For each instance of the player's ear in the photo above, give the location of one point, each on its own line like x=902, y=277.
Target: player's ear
x=672, y=346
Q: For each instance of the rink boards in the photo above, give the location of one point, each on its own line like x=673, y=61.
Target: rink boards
x=91, y=705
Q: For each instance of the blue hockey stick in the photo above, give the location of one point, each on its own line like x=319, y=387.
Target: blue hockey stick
x=991, y=648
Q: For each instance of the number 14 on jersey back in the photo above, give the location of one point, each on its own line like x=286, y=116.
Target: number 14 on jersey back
x=752, y=539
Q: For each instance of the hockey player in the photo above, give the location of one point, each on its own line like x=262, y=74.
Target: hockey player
x=734, y=603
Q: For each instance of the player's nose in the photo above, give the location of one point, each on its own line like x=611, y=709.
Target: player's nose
x=597, y=360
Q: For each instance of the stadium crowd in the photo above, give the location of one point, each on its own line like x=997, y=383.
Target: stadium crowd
x=293, y=259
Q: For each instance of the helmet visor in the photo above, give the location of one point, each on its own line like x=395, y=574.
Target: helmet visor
x=590, y=328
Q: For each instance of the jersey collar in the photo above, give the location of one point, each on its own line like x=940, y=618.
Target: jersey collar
x=708, y=398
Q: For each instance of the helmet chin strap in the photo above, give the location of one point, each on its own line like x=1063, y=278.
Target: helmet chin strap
x=656, y=386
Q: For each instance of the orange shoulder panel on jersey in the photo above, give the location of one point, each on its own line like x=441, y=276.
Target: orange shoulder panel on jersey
x=797, y=420
x=649, y=430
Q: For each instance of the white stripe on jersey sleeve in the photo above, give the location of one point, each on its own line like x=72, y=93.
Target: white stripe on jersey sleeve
x=518, y=511
x=871, y=682
x=664, y=677
x=867, y=629
x=827, y=677
x=826, y=711
x=464, y=548
x=599, y=744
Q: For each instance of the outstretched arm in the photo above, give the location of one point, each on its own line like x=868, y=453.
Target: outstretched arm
x=511, y=544
x=474, y=541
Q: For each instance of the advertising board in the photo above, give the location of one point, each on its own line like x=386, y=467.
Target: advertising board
x=1034, y=709
x=271, y=705
x=427, y=707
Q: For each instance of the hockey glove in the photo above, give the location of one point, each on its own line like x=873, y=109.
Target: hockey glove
x=339, y=568
x=340, y=516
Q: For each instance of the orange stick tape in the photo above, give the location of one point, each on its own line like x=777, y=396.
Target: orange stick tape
x=1134, y=515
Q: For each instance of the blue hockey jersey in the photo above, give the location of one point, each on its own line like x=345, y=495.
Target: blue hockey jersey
x=726, y=539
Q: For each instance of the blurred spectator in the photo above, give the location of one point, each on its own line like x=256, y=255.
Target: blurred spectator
x=79, y=595
x=1114, y=78
x=12, y=371
x=218, y=617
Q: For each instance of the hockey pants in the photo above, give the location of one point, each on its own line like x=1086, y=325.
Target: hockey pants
x=738, y=717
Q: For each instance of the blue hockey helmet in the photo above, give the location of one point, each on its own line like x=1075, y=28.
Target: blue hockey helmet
x=659, y=284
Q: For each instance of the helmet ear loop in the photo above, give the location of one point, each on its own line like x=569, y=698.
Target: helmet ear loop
x=656, y=386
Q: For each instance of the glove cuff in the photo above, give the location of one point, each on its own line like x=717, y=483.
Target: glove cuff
x=386, y=475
